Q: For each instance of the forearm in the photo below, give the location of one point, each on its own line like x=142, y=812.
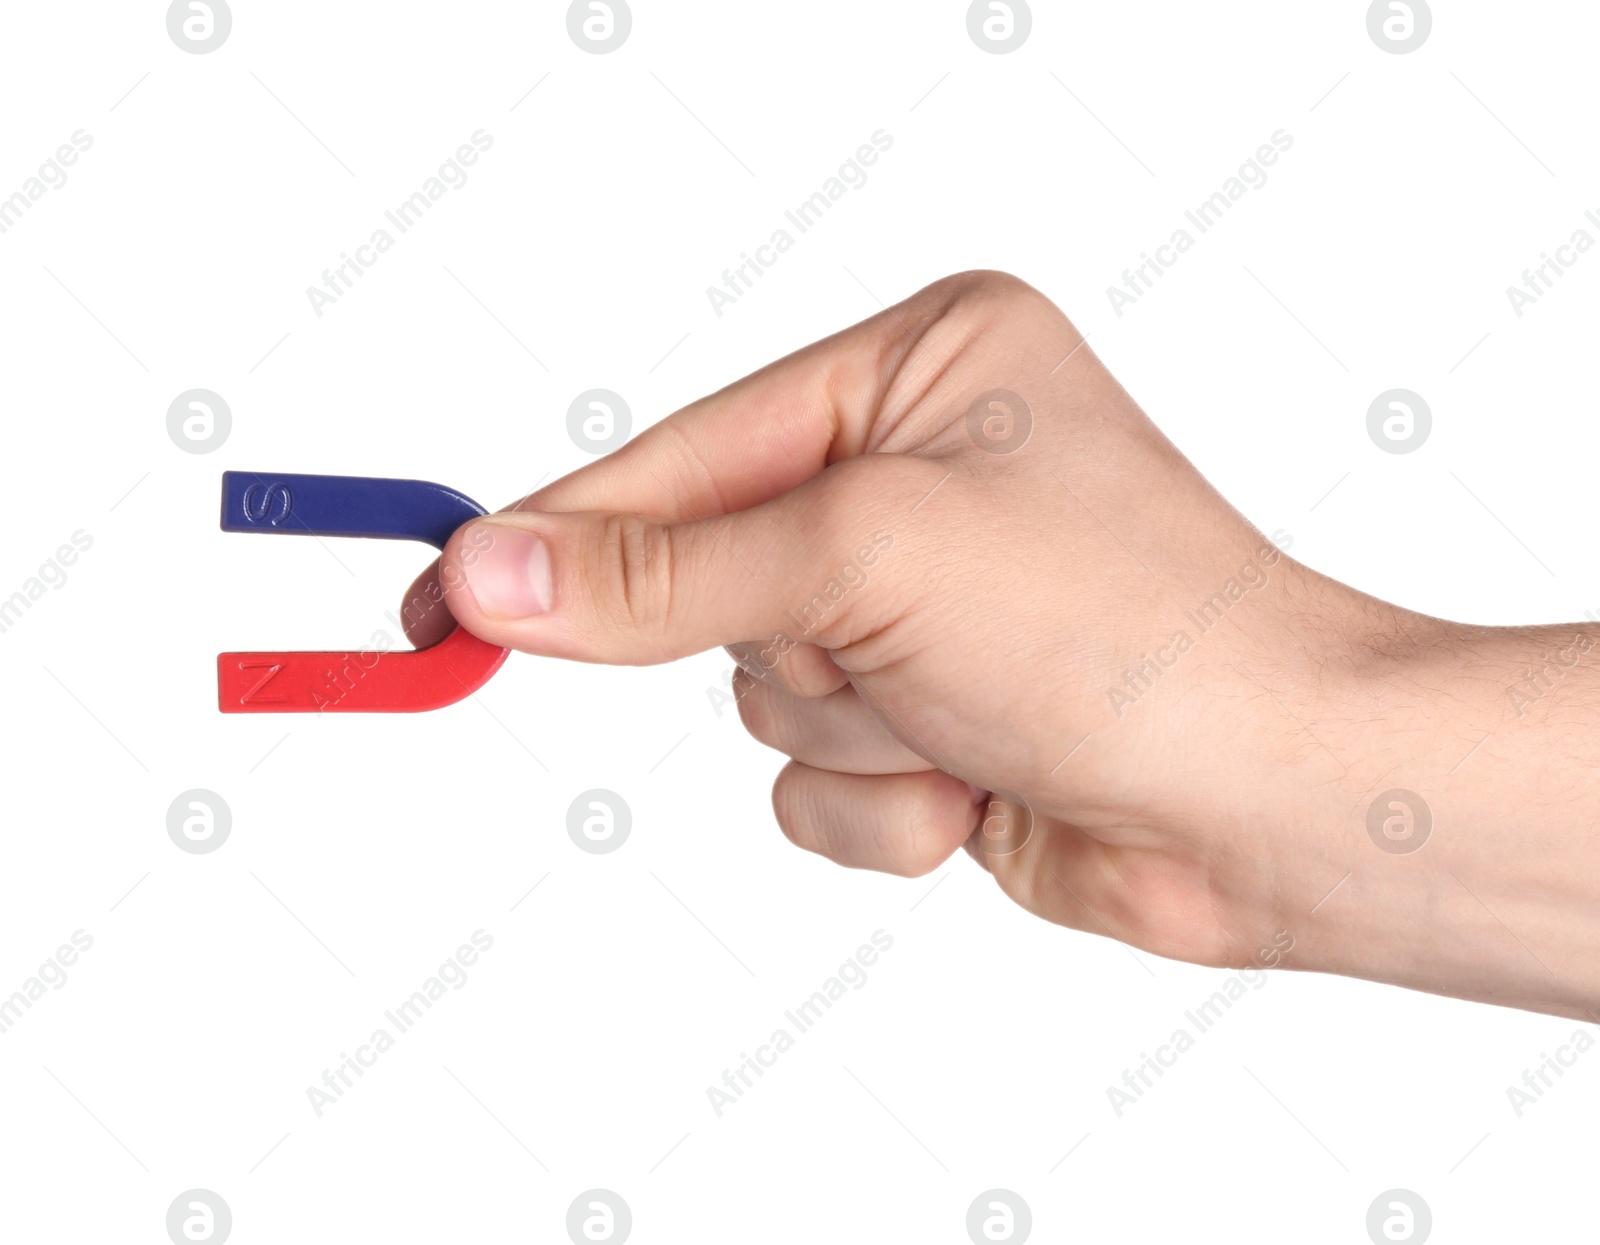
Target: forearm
x=1478, y=873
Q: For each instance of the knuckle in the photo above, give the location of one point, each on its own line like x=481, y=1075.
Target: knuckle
x=986, y=316
x=988, y=283
x=689, y=469
x=927, y=832
x=635, y=560
x=984, y=288
x=921, y=848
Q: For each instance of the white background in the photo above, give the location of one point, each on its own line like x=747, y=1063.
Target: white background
x=364, y=849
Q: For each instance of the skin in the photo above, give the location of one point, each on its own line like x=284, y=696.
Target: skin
x=1001, y=668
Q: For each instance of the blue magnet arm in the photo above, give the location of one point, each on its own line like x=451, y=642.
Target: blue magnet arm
x=302, y=505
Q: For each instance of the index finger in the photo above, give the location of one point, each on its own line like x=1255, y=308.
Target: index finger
x=759, y=437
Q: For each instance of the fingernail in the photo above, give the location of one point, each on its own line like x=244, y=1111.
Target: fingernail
x=744, y=656
x=509, y=576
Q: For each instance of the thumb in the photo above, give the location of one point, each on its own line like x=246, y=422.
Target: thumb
x=629, y=590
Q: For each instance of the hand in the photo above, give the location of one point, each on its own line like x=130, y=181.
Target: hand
x=981, y=600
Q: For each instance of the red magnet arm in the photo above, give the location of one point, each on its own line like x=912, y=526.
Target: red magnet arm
x=366, y=681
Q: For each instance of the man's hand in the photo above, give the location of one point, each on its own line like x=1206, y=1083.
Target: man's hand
x=981, y=600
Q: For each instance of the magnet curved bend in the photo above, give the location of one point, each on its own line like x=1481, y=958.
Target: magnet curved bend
x=365, y=681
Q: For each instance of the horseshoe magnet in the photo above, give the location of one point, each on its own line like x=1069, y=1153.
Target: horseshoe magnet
x=365, y=681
